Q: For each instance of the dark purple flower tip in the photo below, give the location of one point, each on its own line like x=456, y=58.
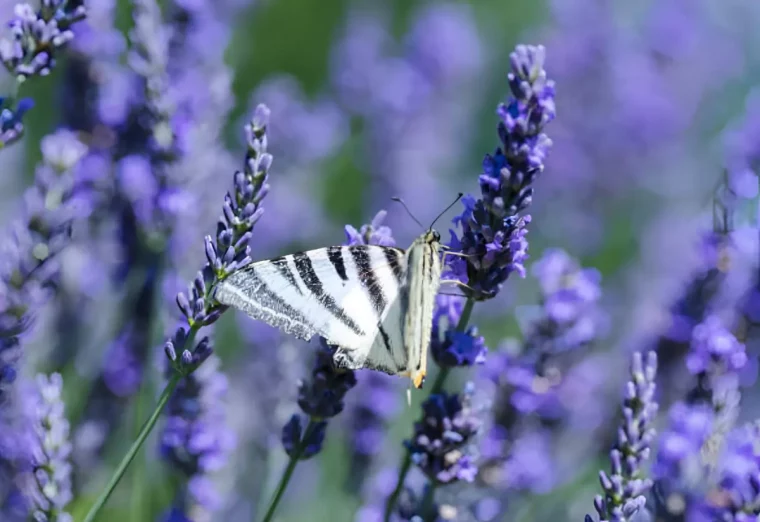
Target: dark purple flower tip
x=441, y=440
x=311, y=443
x=322, y=396
x=460, y=349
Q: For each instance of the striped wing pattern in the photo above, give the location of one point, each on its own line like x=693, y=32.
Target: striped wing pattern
x=356, y=297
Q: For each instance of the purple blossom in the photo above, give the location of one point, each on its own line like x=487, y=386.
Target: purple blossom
x=11, y=119
x=47, y=476
x=321, y=397
x=625, y=487
x=450, y=347
x=736, y=496
x=35, y=36
x=29, y=268
x=230, y=251
x=678, y=453
x=441, y=443
x=493, y=228
x=714, y=349
x=530, y=465
x=196, y=439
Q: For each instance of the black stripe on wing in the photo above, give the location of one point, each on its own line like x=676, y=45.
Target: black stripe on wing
x=314, y=285
x=281, y=263
x=393, y=256
x=368, y=278
x=335, y=255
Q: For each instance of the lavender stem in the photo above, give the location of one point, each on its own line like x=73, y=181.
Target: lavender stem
x=440, y=380
x=292, y=463
x=140, y=440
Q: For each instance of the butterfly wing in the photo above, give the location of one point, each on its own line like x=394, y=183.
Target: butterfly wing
x=340, y=293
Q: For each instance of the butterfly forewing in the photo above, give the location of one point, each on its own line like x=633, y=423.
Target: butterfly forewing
x=331, y=292
x=374, y=302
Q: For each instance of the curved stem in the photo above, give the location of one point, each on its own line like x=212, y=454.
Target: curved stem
x=285, y=479
x=437, y=387
x=136, y=445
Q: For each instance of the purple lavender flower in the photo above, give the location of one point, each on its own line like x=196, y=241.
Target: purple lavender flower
x=450, y=347
x=625, y=488
x=196, y=439
x=714, y=349
x=47, y=481
x=29, y=268
x=320, y=398
x=678, y=453
x=736, y=496
x=493, y=228
x=11, y=124
x=36, y=36
x=442, y=439
x=240, y=212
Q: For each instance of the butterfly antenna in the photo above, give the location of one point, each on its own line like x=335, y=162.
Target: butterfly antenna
x=459, y=196
x=399, y=200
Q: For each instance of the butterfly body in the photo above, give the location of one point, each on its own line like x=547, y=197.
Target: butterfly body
x=375, y=303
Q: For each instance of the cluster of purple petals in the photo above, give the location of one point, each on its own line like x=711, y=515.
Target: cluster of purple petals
x=321, y=397
x=450, y=347
x=36, y=36
x=196, y=439
x=714, y=349
x=736, y=495
x=568, y=319
x=442, y=439
x=229, y=251
x=29, y=267
x=678, y=452
x=626, y=486
x=493, y=228
x=11, y=119
x=47, y=480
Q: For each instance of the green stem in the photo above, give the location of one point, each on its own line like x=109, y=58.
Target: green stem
x=426, y=508
x=136, y=445
x=285, y=479
x=437, y=387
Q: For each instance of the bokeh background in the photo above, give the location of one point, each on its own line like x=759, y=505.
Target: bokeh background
x=657, y=114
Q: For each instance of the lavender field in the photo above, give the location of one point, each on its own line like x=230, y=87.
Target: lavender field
x=594, y=348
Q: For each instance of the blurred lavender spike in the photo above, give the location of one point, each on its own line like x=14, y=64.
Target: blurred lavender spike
x=36, y=36
x=442, y=442
x=49, y=478
x=625, y=487
x=493, y=228
x=11, y=120
x=196, y=439
x=29, y=269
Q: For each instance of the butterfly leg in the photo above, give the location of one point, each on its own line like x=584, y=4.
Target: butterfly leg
x=458, y=283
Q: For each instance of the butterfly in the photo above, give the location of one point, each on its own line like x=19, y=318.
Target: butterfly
x=375, y=303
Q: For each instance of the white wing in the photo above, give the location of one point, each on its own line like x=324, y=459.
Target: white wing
x=349, y=295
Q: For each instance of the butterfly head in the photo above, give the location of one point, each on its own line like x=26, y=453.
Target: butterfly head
x=432, y=236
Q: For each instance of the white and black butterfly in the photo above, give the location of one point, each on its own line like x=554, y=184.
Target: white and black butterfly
x=374, y=302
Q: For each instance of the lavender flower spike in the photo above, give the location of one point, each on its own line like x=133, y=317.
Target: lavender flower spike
x=37, y=35
x=227, y=252
x=28, y=265
x=442, y=438
x=493, y=228
x=624, y=489
x=49, y=478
